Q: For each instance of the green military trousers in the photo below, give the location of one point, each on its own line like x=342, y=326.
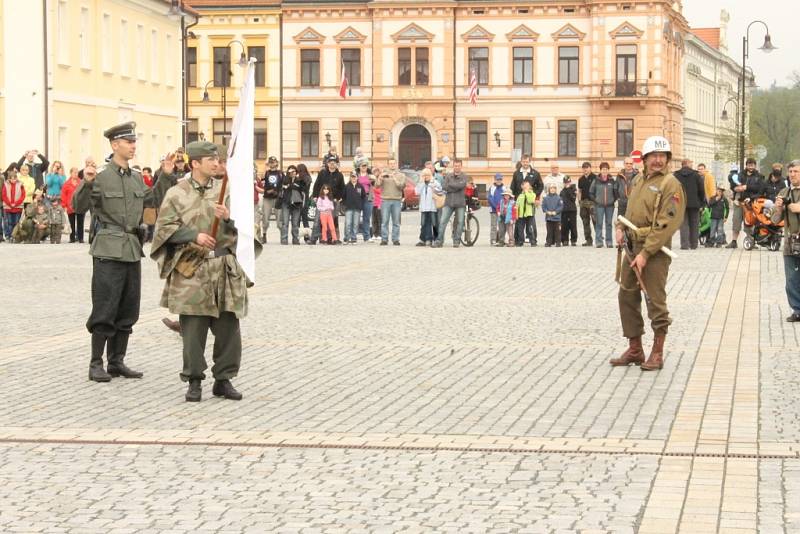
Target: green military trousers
x=654, y=276
x=227, y=353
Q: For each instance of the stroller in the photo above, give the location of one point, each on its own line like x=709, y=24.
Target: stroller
x=765, y=234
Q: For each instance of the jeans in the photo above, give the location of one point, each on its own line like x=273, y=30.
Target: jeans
x=791, y=266
x=524, y=227
x=11, y=221
x=293, y=215
x=390, y=209
x=351, y=218
x=587, y=218
x=458, y=224
x=690, y=228
x=569, y=227
x=604, y=217
x=366, y=218
x=492, y=227
x=716, y=232
x=426, y=231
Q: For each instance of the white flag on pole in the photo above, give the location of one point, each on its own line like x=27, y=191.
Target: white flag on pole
x=240, y=173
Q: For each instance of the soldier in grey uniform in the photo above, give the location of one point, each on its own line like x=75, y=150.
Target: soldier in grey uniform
x=117, y=197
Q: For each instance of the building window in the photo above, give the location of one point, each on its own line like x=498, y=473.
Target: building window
x=309, y=67
x=123, y=47
x=351, y=59
x=106, y=43
x=260, y=139
x=568, y=64
x=479, y=63
x=140, y=52
x=222, y=66
x=154, y=58
x=477, y=139
x=63, y=32
x=626, y=70
x=192, y=131
x=351, y=138
x=222, y=131
x=523, y=136
x=567, y=138
x=170, y=74
x=259, y=53
x=85, y=37
x=422, y=67
x=309, y=139
x=404, y=66
x=523, y=65
x=624, y=137
x=191, y=66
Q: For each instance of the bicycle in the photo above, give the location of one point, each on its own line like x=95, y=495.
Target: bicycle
x=472, y=228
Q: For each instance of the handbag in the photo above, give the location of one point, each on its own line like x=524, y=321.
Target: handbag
x=311, y=210
x=438, y=200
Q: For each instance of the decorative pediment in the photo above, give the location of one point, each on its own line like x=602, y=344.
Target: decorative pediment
x=350, y=35
x=477, y=33
x=522, y=33
x=309, y=35
x=412, y=33
x=626, y=29
x=568, y=31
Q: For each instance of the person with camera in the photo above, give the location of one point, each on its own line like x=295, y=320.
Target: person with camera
x=117, y=196
x=745, y=187
x=293, y=198
x=787, y=209
x=37, y=164
x=455, y=184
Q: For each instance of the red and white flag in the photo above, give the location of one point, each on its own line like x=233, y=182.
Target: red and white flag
x=473, y=88
x=343, y=86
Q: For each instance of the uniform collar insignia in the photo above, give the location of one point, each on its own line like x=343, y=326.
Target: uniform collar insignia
x=197, y=187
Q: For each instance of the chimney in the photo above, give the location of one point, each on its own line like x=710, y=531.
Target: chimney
x=724, y=18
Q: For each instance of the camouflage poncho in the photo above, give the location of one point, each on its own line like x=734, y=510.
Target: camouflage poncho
x=219, y=284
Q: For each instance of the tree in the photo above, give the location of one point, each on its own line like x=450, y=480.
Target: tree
x=774, y=116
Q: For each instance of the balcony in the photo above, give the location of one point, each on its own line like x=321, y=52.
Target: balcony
x=624, y=89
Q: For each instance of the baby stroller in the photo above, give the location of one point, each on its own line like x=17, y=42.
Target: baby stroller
x=765, y=234
x=705, y=225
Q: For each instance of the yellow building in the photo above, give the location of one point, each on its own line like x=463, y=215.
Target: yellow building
x=106, y=61
x=227, y=29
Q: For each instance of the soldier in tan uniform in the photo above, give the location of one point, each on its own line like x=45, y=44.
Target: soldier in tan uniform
x=212, y=293
x=656, y=207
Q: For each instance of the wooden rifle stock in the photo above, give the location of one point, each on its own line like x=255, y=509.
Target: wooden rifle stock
x=221, y=200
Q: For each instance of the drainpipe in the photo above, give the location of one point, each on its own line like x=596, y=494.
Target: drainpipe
x=184, y=68
x=46, y=90
x=455, y=137
x=280, y=88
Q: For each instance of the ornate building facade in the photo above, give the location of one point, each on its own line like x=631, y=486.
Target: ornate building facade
x=711, y=79
x=564, y=81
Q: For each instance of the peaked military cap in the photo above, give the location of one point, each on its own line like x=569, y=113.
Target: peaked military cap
x=201, y=149
x=125, y=130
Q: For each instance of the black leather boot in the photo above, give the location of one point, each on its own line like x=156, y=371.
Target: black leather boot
x=117, y=347
x=96, y=371
x=224, y=388
x=195, y=391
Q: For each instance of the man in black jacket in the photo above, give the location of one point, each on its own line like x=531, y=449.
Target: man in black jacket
x=747, y=186
x=586, y=203
x=333, y=178
x=526, y=173
x=273, y=185
x=694, y=188
x=775, y=182
x=38, y=168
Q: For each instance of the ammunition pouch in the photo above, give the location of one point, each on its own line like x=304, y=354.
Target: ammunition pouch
x=192, y=256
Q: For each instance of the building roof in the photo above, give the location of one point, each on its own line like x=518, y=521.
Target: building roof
x=231, y=3
x=710, y=36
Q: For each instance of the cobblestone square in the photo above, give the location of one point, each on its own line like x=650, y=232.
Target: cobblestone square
x=408, y=389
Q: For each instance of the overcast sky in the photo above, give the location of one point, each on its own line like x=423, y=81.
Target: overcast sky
x=780, y=16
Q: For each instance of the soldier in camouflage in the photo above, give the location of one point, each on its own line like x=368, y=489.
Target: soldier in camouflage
x=214, y=296
x=117, y=197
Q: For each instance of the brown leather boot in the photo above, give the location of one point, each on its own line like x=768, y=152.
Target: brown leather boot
x=634, y=354
x=656, y=359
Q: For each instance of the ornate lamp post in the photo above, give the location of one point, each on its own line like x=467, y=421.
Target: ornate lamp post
x=766, y=47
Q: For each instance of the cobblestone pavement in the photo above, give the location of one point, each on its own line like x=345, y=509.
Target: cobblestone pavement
x=370, y=372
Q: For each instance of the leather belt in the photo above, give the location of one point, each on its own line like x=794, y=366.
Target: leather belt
x=106, y=226
x=217, y=254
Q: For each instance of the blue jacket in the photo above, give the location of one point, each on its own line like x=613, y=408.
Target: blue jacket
x=495, y=196
x=552, y=203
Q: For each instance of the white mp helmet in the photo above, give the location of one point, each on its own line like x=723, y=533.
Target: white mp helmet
x=656, y=143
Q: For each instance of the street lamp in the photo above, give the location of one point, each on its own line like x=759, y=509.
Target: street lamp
x=766, y=47
x=328, y=138
x=725, y=116
x=497, y=138
x=226, y=77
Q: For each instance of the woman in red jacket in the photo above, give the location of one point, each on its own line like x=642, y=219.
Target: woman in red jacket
x=75, y=219
x=13, y=195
